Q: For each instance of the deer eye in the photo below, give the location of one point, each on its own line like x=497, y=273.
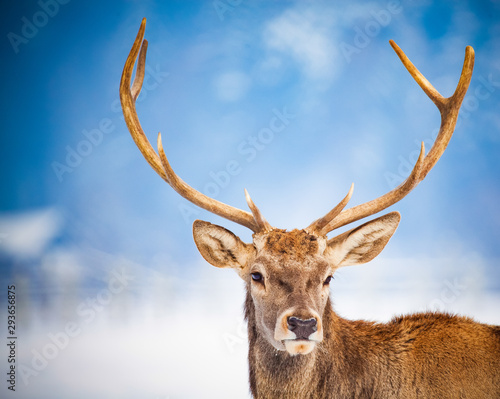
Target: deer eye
x=257, y=277
x=328, y=279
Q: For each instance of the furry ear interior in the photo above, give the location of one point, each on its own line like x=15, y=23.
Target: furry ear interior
x=363, y=243
x=220, y=247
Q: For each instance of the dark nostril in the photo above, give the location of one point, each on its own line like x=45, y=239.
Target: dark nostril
x=292, y=323
x=302, y=328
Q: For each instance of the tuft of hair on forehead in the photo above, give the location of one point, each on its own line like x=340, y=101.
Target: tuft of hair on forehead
x=295, y=244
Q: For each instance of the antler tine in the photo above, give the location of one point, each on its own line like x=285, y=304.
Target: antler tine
x=139, y=75
x=422, y=81
x=318, y=225
x=448, y=108
x=257, y=215
x=128, y=96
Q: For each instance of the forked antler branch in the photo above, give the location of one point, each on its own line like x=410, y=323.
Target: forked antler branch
x=128, y=94
x=448, y=107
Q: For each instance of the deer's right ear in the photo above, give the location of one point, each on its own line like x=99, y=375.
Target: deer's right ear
x=220, y=247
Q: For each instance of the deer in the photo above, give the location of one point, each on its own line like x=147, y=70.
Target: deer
x=298, y=346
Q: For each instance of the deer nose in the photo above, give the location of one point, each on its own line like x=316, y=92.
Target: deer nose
x=302, y=328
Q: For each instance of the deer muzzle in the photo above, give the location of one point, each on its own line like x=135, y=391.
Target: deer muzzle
x=299, y=331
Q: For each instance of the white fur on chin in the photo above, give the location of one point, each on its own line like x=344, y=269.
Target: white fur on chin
x=299, y=347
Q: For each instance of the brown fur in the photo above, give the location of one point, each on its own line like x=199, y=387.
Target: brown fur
x=295, y=244
x=429, y=355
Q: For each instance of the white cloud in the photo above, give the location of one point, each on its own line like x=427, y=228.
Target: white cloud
x=27, y=234
x=306, y=38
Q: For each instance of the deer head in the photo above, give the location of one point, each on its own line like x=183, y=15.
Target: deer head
x=288, y=272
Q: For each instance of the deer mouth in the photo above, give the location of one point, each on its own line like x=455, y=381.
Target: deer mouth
x=299, y=346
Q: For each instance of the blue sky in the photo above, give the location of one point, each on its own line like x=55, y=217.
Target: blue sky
x=77, y=196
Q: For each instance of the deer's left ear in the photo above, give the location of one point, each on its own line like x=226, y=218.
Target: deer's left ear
x=220, y=247
x=363, y=243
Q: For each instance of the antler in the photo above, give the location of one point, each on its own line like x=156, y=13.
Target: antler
x=337, y=217
x=128, y=94
x=448, y=107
